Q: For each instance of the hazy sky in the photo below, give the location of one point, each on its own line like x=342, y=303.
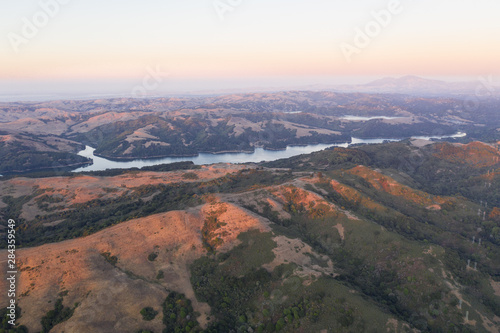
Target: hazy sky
x=202, y=44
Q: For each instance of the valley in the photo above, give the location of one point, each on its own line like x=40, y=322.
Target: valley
x=41, y=136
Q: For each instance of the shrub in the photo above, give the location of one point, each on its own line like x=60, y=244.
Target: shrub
x=190, y=175
x=148, y=313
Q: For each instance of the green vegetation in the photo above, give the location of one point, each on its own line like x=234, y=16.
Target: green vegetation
x=366, y=262
x=113, y=260
x=404, y=214
x=148, y=313
x=5, y=327
x=215, y=282
x=18, y=157
x=56, y=316
x=187, y=165
x=249, y=297
x=254, y=251
x=178, y=315
x=210, y=237
x=189, y=175
x=324, y=160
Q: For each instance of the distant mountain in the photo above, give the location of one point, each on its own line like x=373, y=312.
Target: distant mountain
x=407, y=82
x=413, y=85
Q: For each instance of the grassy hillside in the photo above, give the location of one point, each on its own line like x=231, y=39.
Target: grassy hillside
x=21, y=154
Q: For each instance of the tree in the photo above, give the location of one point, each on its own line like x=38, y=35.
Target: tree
x=148, y=313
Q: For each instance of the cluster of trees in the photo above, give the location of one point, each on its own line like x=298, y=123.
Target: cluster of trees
x=59, y=314
x=5, y=327
x=21, y=159
x=210, y=236
x=178, y=314
x=148, y=313
x=227, y=295
x=324, y=160
x=261, y=301
x=379, y=129
x=113, y=260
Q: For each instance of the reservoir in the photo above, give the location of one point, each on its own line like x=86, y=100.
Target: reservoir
x=357, y=118
x=259, y=155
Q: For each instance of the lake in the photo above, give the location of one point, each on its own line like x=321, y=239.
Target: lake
x=358, y=118
x=258, y=155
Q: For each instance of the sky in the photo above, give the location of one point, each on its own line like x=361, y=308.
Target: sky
x=153, y=46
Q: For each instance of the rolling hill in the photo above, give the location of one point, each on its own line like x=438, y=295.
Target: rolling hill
x=125, y=129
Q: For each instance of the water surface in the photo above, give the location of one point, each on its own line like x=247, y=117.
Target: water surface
x=258, y=155
x=358, y=118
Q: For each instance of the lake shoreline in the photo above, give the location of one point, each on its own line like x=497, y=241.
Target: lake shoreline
x=259, y=154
